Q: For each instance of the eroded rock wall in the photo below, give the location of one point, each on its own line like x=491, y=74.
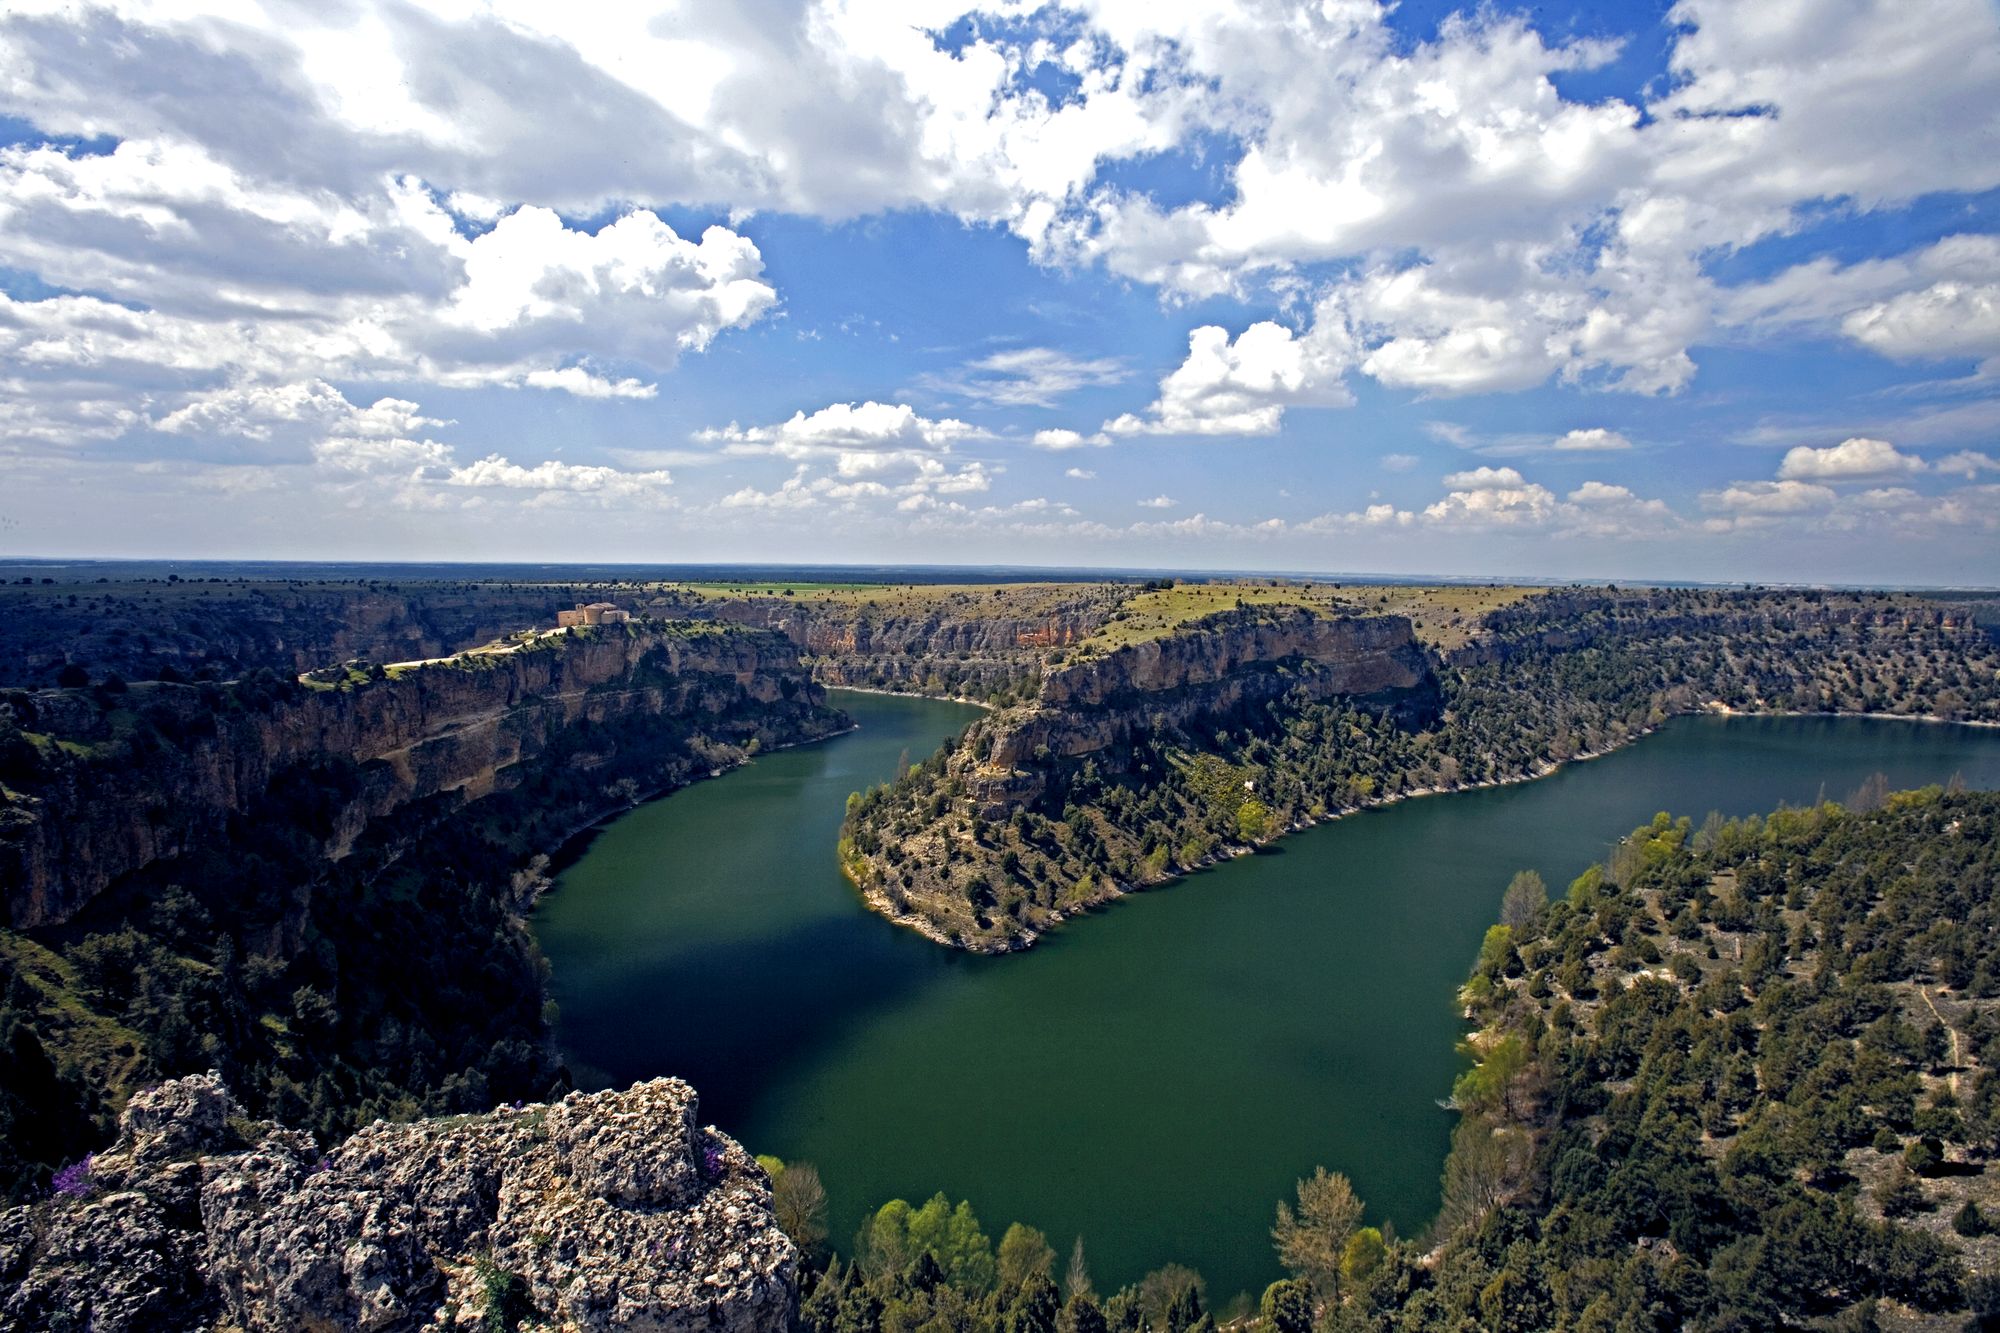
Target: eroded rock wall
x=171, y=764
x=1215, y=667
x=611, y=1210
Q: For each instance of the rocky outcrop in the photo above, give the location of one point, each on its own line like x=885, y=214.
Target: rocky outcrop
x=163, y=768
x=971, y=643
x=1008, y=832
x=612, y=1210
x=220, y=628
x=1215, y=667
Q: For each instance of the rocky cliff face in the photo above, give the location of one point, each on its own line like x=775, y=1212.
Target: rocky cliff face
x=973, y=644
x=168, y=766
x=1005, y=835
x=1212, y=668
x=227, y=629
x=613, y=1210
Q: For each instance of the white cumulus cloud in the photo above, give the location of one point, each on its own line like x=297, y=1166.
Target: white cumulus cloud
x=1595, y=440
x=1851, y=459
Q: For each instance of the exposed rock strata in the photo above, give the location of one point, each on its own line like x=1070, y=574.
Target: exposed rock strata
x=140, y=630
x=460, y=728
x=604, y=1211
x=1212, y=668
x=950, y=867
x=972, y=646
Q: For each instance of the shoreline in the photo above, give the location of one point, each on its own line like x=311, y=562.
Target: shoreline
x=1720, y=709
x=876, y=901
x=573, y=844
x=912, y=694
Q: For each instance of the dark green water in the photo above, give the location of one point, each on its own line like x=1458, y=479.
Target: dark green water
x=1154, y=1077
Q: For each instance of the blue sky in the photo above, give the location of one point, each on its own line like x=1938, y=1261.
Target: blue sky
x=1708, y=290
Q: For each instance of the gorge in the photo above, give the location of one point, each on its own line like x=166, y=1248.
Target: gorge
x=318, y=883
x=1153, y=1080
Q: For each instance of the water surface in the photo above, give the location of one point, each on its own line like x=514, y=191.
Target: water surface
x=1153, y=1077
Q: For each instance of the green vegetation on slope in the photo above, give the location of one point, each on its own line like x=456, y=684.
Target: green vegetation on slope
x=1744, y=1076
x=1548, y=678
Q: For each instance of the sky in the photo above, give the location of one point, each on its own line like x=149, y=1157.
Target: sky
x=1704, y=290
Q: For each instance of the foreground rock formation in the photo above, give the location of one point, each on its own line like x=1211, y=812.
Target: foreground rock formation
x=612, y=1210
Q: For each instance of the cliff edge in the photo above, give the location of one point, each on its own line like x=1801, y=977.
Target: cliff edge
x=114, y=783
x=978, y=847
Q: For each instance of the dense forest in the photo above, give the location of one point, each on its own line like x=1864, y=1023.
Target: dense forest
x=1548, y=679
x=1745, y=1075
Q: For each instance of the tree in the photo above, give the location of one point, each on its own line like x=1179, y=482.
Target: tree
x=952, y=1236
x=1171, y=1298
x=887, y=1247
x=1036, y=1309
x=1253, y=820
x=1496, y=951
x=1484, y=1164
x=1489, y=1084
x=1288, y=1306
x=1526, y=898
x=1924, y=1156
x=798, y=1200
x=1311, y=1240
x=1362, y=1255
x=1076, y=1282
x=72, y=676
x=1083, y=1315
x=1024, y=1254
x=1900, y=1195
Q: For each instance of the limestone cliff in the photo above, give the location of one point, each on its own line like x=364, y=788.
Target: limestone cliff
x=964, y=642
x=220, y=629
x=123, y=781
x=613, y=1210
x=1223, y=664
x=938, y=852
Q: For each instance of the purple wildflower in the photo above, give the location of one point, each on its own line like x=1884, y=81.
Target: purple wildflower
x=711, y=1159
x=73, y=1181
x=323, y=1165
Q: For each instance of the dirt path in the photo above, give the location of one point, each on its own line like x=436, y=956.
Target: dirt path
x=1956, y=1061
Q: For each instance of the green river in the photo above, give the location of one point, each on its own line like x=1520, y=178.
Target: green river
x=1152, y=1078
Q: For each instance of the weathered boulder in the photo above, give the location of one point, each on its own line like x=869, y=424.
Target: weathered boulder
x=611, y=1210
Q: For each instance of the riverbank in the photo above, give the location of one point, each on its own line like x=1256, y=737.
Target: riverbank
x=912, y=694
x=1723, y=709
x=879, y=901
